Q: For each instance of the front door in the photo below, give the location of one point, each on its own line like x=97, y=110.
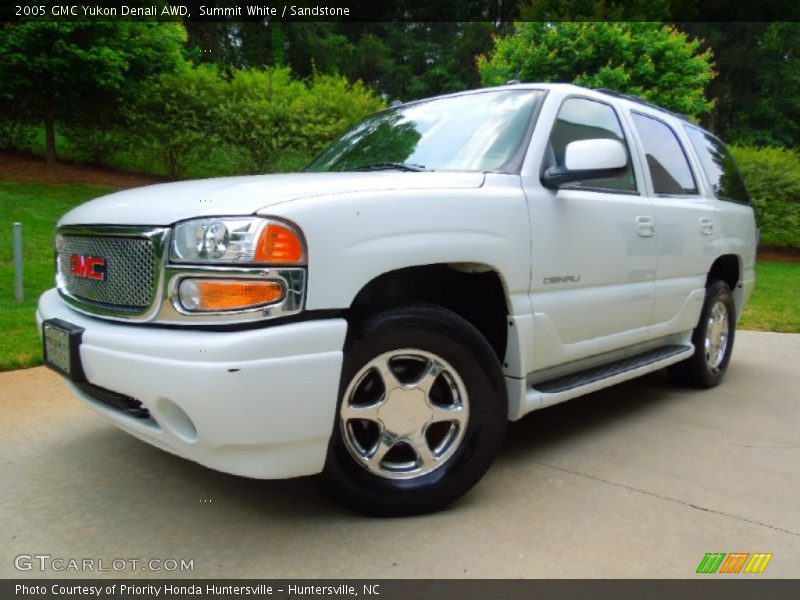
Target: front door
x=593, y=247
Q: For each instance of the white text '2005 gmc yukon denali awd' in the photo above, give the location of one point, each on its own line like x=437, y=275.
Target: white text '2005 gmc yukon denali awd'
x=444, y=267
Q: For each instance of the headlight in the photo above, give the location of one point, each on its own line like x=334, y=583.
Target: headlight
x=237, y=240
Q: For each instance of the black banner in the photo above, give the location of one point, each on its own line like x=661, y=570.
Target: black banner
x=187, y=589
x=386, y=10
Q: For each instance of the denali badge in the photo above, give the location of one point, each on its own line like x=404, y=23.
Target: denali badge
x=564, y=279
x=91, y=267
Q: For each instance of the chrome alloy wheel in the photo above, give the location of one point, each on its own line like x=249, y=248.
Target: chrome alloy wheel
x=404, y=414
x=716, y=342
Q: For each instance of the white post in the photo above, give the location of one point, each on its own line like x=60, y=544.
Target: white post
x=19, y=293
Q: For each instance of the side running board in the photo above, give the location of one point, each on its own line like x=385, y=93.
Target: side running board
x=560, y=389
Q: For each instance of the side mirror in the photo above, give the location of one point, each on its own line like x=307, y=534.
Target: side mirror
x=587, y=159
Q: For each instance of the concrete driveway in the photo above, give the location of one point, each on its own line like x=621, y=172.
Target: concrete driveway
x=640, y=480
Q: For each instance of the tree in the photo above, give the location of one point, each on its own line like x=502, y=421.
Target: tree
x=402, y=59
x=654, y=61
x=81, y=71
x=759, y=74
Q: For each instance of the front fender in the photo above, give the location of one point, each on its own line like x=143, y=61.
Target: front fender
x=354, y=238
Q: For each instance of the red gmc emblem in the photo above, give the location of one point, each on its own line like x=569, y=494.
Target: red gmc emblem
x=90, y=267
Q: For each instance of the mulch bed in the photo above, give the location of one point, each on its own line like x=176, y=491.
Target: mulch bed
x=789, y=255
x=28, y=168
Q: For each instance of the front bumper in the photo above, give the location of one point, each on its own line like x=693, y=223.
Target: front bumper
x=259, y=402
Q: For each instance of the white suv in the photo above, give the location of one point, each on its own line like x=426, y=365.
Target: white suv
x=446, y=266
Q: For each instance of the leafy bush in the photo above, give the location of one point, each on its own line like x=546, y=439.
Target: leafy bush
x=15, y=135
x=259, y=114
x=177, y=115
x=92, y=144
x=281, y=122
x=331, y=107
x=772, y=176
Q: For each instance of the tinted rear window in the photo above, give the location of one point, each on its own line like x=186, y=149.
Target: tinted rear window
x=720, y=167
x=669, y=169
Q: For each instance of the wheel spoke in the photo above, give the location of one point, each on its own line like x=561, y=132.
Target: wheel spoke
x=424, y=454
x=425, y=383
x=389, y=379
x=450, y=414
x=367, y=413
x=379, y=451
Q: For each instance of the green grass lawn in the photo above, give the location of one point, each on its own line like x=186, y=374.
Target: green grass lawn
x=773, y=307
x=37, y=207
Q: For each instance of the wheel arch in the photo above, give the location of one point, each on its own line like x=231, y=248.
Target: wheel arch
x=726, y=267
x=475, y=291
x=729, y=268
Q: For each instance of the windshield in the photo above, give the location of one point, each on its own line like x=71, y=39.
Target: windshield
x=472, y=132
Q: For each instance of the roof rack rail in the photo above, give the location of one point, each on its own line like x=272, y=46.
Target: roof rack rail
x=638, y=100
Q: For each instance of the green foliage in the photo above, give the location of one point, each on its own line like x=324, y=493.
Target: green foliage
x=198, y=121
x=281, y=122
x=81, y=71
x=772, y=176
x=332, y=106
x=404, y=60
x=758, y=66
x=654, y=61
x=201, y=122
x=14, y=134
x=91, y=144
x=176, y=115
x=261, y=116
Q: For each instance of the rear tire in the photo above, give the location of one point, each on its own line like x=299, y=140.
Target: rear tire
x=422, y=412
x=712, y=339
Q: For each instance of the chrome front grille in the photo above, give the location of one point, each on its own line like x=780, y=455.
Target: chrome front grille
x=140, y=286
x=132, y=262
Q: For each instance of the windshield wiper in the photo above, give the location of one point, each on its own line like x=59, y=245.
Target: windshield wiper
x=386, y=166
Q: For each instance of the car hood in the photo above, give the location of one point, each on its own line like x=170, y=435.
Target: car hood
x=167, y=203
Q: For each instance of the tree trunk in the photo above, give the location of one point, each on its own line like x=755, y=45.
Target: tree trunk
x=50, y=136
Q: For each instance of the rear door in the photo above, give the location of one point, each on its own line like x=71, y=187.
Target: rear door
x=737, y=223
x=686, y=223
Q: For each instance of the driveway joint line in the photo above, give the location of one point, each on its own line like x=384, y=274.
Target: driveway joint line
x=668, y=498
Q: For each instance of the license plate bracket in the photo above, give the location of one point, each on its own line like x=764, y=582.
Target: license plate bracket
x=61, y=343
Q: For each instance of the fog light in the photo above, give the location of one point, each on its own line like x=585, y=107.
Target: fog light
x=218, y=295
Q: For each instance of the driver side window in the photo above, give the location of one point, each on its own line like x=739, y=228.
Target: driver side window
x=583, y=119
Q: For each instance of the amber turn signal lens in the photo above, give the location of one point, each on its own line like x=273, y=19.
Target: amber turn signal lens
x=280, y=245
x=217, y=295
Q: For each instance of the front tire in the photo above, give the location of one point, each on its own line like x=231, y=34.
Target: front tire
x=712, y=339
x=422, y=412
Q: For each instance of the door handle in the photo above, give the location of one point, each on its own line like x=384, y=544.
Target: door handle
x=706, y=225
x=645, y=226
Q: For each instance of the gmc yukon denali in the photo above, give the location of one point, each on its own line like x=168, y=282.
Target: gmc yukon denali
x=445, y=267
